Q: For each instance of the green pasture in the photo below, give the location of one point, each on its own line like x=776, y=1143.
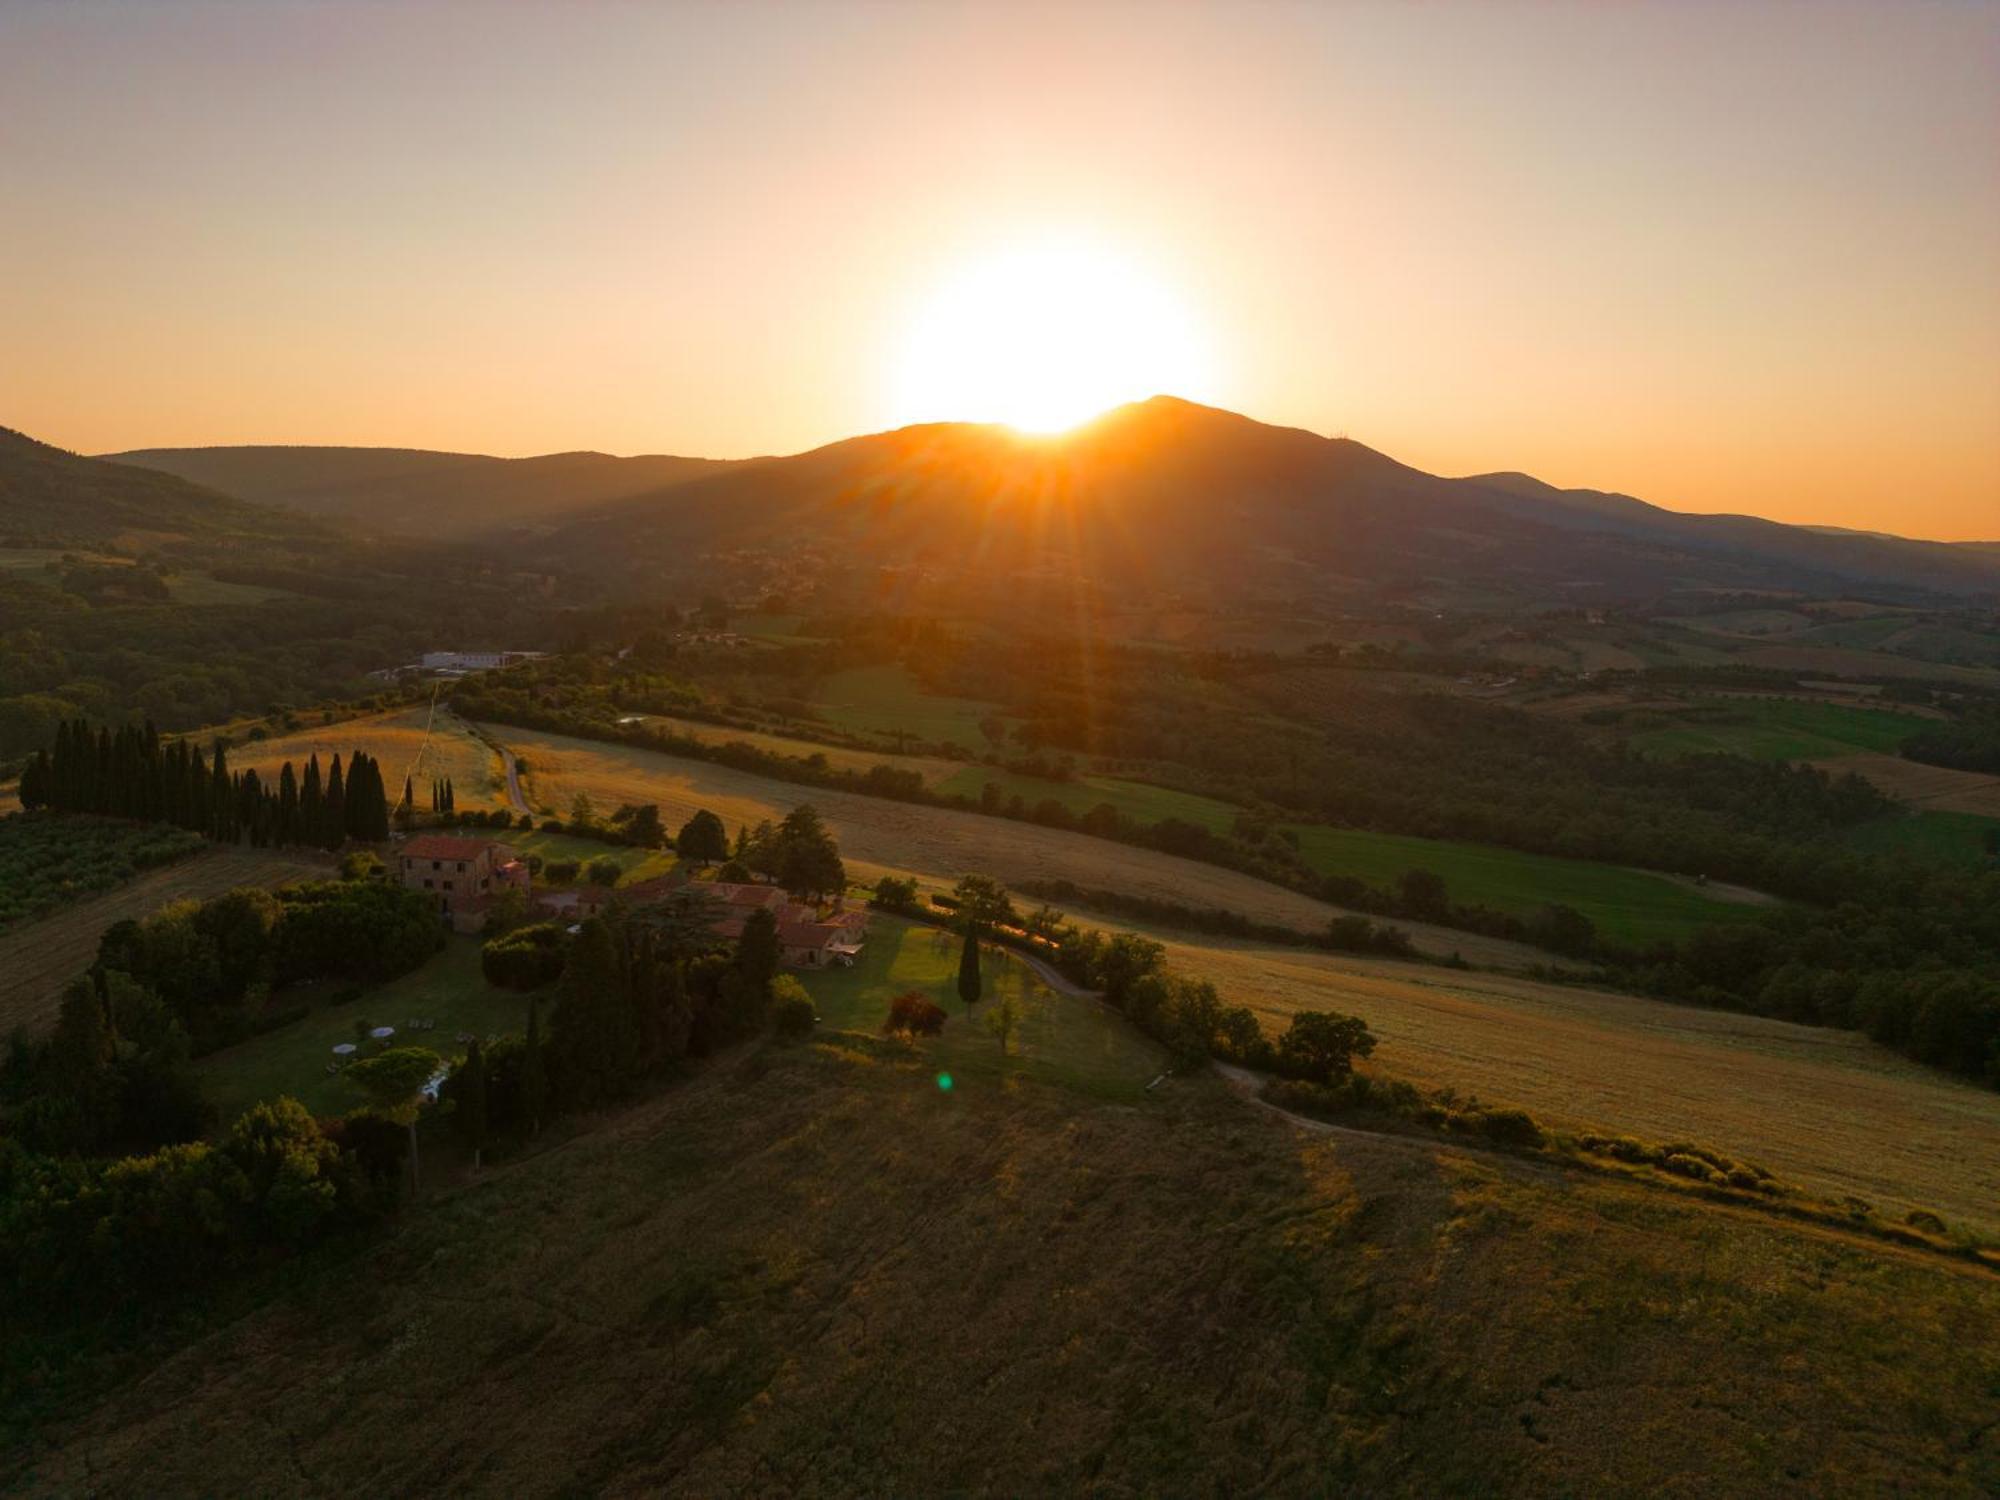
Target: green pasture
x=1629, y=906
x=886, y=700
x=633, y=864
x=1777, y=729
x=1075, y=1043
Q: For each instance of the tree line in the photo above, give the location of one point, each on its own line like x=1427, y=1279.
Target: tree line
x=134, y=773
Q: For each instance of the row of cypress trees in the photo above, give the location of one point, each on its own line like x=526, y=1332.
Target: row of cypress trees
x=133, y=773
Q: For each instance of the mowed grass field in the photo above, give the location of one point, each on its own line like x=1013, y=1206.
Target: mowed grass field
x=885, y=700
x=1827, y=1110
x=1628, y=906
x=449, y=990
x=809, y=1271
x=399, y=740
x=1078, y=1044
x=880, y=837
x=38, y=958
x=1135, y=800
x=1778, y=729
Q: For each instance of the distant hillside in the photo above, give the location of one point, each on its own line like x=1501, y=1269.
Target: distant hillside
x=1164, y=493
x=413, y=491
x=50, y=497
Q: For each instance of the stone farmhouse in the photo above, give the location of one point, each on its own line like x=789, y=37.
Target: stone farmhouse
x=463, y=874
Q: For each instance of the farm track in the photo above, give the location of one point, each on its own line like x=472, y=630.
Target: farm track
x=37, y=959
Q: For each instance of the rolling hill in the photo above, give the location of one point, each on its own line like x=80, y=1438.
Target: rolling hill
x=1165, y=493
x=50, y=497
x=415, y=491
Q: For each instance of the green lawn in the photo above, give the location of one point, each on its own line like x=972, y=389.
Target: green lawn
x=886, y=700
x=1777, y=729
x=1627, y=905
x=1134, y=800
x=1949, y=838
x=1075, y=1043
x=449, y=990
x=633, y=864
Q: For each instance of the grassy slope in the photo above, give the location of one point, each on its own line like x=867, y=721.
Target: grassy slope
x=1627, y=905
x=811, y=1272
x=1827, y=1110
x=1780, y=729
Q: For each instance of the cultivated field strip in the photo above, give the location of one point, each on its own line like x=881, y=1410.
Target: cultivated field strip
x=1825, y=1109
x=38, y=958
x=879, y=836
x=1928, y=788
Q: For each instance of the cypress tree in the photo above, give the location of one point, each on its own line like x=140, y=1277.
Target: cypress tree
x=968, y=967
x=221, y=798
x=333, y=820
x=450, y=802
x=469, y=1097
x=312, y=802
x=287, y=826
x=409, y=792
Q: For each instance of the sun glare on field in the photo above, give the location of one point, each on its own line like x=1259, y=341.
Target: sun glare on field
x=1046, y=335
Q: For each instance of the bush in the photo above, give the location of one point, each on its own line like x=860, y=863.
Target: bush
x=892, y=894
x=1510, y=1127
x=1924, y=1219
x=604, y=871
x=915, y=1014
x=560, y=871
x=792, y=1010
x=1320, y=1046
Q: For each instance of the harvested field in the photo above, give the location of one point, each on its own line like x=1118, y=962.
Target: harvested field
x=1929, y=788
x=938, y=844
x=1828, y=1110
x=38, y=958
x=840, y=757
x=398, y=740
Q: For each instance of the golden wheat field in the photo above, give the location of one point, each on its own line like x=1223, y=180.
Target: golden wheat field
x=937, y=844
x=1827, y=1110
x=404, y=745
x=38, y=958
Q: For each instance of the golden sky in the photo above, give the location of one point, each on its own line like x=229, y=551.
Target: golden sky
x=1721, y=256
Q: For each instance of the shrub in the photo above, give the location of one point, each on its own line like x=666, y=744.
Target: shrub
x=604, y=871
x=892, y=894
x=1510, y=1127
x=792, y=1015
x=559, y=871
x=1320, y=1046
x=915, y=1014
x=1924, y=1219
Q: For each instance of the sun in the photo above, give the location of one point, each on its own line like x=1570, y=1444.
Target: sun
x=1047, y=334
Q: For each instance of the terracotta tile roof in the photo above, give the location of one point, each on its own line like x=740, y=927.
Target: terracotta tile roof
x=446, y=846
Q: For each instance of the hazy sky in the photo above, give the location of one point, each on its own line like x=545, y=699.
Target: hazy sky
x=1722, y=256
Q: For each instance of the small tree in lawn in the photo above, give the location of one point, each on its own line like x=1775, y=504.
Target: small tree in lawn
x=469, y=1095
x=968, y=968
x=1003, y=1020
x=394, y=1083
